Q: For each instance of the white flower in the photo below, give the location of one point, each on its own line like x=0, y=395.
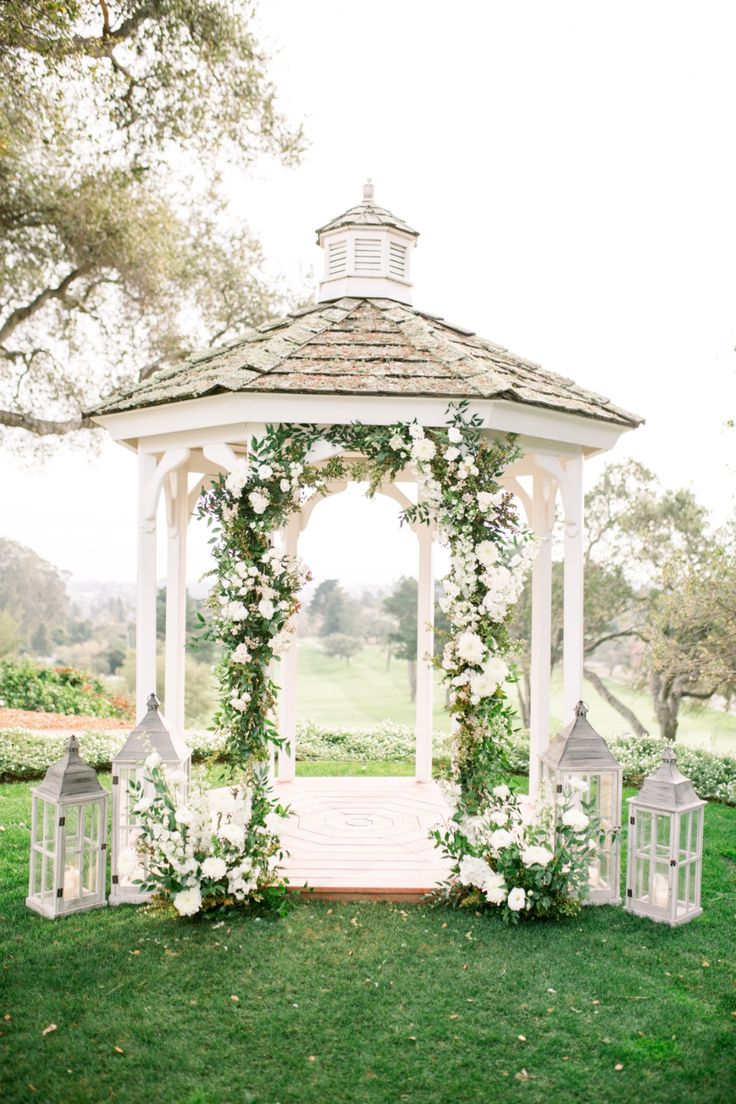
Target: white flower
x=240, y=702
x=396, y=443
x=578, y=784
x=127, y=862
x=232, y=833
x=285, y=484
x=235, y=611
x=516, y=899
x=237, y=478
x=473, y=871
x=153, y=761
x=265, y=471
x=501, y=791
x=536, y=856
x=259, y=501
x=240, y=654
x=575, y=819
x=500, y=839
x=416, y=431
x=485, y=683
x=495, y=888
x=486, y=553
x=176, y=777
x=454, y=435
x=188, y=901
x=423, y=449
x=143, y=805
x=499, y=817
x=184, y=815
x=265, y=608
x=488, y=501
x=451, y=453
x=470, y=647
x=214, y=868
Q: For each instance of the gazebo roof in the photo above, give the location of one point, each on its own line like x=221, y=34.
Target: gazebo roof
x=355, y=346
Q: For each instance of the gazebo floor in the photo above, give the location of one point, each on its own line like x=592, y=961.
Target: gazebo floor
x=359, y=839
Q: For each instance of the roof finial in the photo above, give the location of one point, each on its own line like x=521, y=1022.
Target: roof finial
x=153, y=703
x=368, y=191
x=581, y=709
x=669, y=757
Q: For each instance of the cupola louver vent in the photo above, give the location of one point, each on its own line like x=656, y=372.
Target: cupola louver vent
x=338, y=258
x=397, y=259
x=367, y=255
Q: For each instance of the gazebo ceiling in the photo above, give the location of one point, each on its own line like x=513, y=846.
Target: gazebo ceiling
x=366, y=346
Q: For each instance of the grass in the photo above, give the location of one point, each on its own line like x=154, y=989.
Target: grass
x=365, y=1003
x=330, y=691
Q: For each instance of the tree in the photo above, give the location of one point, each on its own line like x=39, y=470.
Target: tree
x=342, y=646
x=401, y=604
x=115, y=257
x=334, y=611
x=32, y=593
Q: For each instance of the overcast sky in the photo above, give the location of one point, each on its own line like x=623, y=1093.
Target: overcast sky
x=571, y=170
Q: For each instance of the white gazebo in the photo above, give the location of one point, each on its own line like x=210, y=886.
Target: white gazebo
x=363, y=353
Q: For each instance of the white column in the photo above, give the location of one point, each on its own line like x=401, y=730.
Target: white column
x=425, y=645
x=145, y=635
x=287, y=691
x=572, y=657
x=177, y=509
x=542, y=518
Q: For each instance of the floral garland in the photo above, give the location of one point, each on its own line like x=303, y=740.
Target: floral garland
x=256, y=591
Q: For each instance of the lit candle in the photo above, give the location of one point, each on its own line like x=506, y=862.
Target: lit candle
x=71, y=881
x=661, y=894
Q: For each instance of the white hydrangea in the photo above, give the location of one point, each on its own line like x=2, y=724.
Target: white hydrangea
x=473, y=871
x=259, y=501
x=237, y=478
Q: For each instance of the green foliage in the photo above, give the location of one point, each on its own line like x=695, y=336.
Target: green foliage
x=401, y=604
x=342, y=646
x=32, y=593
x=111, y=259
x=26, y=685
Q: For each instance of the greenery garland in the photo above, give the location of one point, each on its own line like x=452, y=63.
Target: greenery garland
x=256, y=591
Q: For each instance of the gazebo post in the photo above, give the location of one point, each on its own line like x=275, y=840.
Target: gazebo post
x=287, y=703
x=571, y=487
x=177, y=517
x=425, y=646
x=145, y=632
x=542, y=519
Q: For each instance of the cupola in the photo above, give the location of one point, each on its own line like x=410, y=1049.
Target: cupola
x=367, y=253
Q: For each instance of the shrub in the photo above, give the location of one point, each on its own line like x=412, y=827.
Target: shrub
x=26, y=755
x=27, y=685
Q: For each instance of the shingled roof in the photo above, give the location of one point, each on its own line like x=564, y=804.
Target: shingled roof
x=367, y=213
x=366, y=347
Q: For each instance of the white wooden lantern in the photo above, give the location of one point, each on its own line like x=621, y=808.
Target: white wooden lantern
x=128, y=766
x=665, y=847
x=579, y=753
x=68, y=839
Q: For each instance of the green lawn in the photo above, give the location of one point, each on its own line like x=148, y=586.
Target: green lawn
x=364, y=1004
x=330, y=691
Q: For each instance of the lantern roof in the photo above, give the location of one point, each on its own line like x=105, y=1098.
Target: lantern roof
x=667, y=787
x=579, y=747
x=367, y=213
x=70, y=777
x=153, y=734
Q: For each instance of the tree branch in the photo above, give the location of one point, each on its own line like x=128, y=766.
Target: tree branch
x=611, y=636
x=20, y=314
x=614, y=702
x=703, y=696
x=41, y=427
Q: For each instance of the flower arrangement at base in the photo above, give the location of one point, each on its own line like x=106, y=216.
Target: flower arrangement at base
x=529, y=859
x=201, y=848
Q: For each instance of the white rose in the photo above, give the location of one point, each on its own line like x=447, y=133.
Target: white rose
x=416, y=431
x=495, y=888
x=285, y=484
x=536, y=856
x=259, y=501
x=240, y=654
x=265, y=471
x=499, y=817
x=451, y=453
x=470, y=647
x=486, y=553
x=153, y=761
x=237, y=478
x=423, y=449
x=232, y=833
x=501, y=839
x=265, y=608
x=396, y=443
x=473, y=871
x=176, y=777
x=188, y=901
x=240, y=703
x=575, y=819
x=214, y=868
x=516, y=899
x=501, y=791
x=578, y=784
x=235, y=611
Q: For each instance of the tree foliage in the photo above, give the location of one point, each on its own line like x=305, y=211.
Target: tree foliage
x=33, y=598
x=115, y=257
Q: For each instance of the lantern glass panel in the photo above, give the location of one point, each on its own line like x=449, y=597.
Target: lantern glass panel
x=49, y=826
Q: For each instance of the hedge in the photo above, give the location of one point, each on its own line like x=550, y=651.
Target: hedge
x=26, y=755
x=28, y=685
